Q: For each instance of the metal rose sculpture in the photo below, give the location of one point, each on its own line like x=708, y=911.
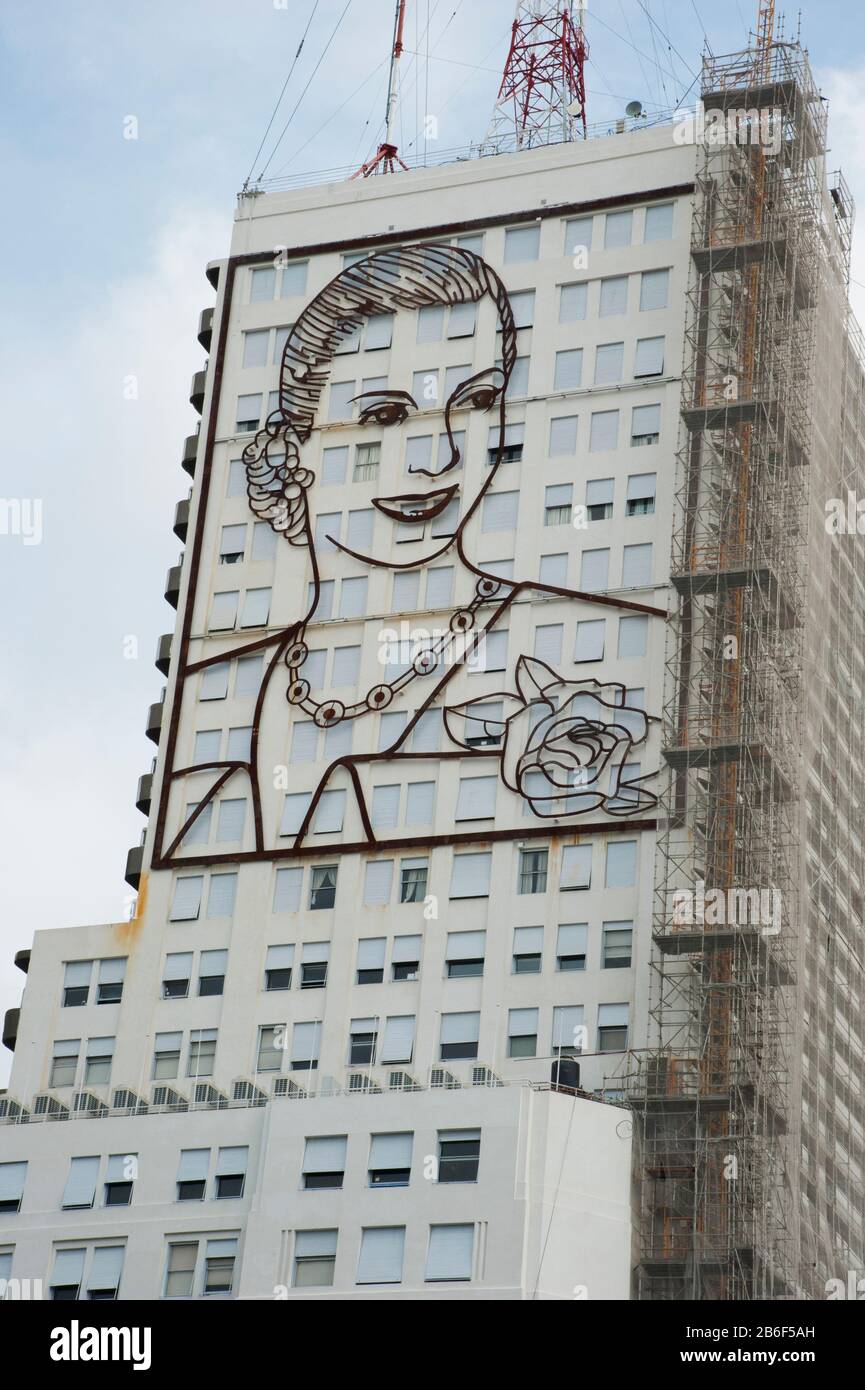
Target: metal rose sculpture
x=566, y=745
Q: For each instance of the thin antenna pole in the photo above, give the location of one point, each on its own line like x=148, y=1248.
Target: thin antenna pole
x=396, y=54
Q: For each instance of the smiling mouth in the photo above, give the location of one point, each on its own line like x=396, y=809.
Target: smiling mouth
x=416, y=506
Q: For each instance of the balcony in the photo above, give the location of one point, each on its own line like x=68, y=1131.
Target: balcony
x=212, y=271
x=22, y=959
x=190, y=450
x=10, y=1028
x=181, y=519
x=197, y=390
x=144, y=793
x=163, y=653
x=154, y=721
x=172, y=585
x=134, y=866
x=205, y=328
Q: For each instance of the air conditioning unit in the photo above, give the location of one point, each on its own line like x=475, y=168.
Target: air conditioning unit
x=286, y=1089
x=169, y=1099
x=248, y=1092
x=485, y=1076
x=359, y=1081
x=205, y=1094
x=124, y=1099
x=51, y=1107
x=438, y=1077
x=86, y=1103
x=13, y=1111
x=401, y=1081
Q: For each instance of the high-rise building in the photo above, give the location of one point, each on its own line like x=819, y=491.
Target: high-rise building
x=502, y=840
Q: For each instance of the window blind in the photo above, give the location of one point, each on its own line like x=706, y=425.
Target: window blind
x=398, y=1041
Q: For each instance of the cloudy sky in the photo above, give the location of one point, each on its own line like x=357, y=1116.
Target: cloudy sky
x=104, y=241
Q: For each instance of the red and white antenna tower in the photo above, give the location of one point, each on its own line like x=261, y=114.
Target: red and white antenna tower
x=385, y=159
x=542, y=99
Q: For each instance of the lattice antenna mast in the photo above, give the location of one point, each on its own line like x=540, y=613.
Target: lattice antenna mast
x=542, y=98
x=386, y=158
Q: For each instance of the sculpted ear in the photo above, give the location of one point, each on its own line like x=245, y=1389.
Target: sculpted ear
x=534, y=677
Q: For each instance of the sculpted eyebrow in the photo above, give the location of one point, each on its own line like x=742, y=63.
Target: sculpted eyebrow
x=386, y=395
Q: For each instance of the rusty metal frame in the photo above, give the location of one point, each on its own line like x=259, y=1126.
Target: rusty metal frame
x=294, y=416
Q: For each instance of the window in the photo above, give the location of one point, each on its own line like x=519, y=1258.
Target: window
x=381, y=1255
x=231, y=1172
x=379, y=331
x=462, y=319
x=340, y=402
x=578, y=235
x=571, y=946
x=385, y=806
x=271, y=1044
x=654, y=287
x=277, y=968
x=322, y=888
x=406, y=590
x=522, y=1032
x=397, y=1043
x=612, y=1027
x=637, y=566
x=492, y=652
x=613, y=296
x=553, y=570
x=528, y=947
x=439, y=586
x=192, y=1175
x=645, y=425
x=594, y=570
x=223, y=612
x=314, y=1259
x=264, y=540
x=232, y=814
x=413, y=880
x=425, y=388
x=110, y=980
x=220, y=1256
x=377, y=882
x=199, y=825
x=477, y=798
x=459, y=1036
x=81, y=1183
x=314, y=957
x=450, y=1254
x=604, y=431
x=12, y=1179
x=459, y=1153
x=572, y=303
x=508, y=449
x=659, y=222
x=202, y=1052
x=287, y=889
x=120, y=1175
x=563, y=436
x=97, y=1062
x=248, y=414
x=420, y=800
x=641, y=494
x=633, y=633
x=533, y=871
x=590, y=640
x=568, y=370
x=262, y=283
x=236, y=486
x=522, y=244
x=256, y=608
x=483, y=727
x=346, y=665
x=430, y=323
x=304, y=1046
x=558, y=509
x=405, y=960
x=166, y=1056
x=499, y=511
x=222, y=894
x=363, y=1036
x=576, y=868
x=211, y=972
x=470, y=876
x=180, y=1270
x=68, y=1275
x=329, y=814
x=599, y=499
x=390, y=1160
x=617, y=230
x=324, y=1161
x=249, y=670
x=207, y=743
x=455, y=376
x=76, y=983
x=464, y=954
x=370, y=960
x=334, y=463
x=232, y=545
x=609, y=363
x=568, y=1030
x=176, y=974
x=548, y=643
x=649, y=357
x=360, y=529
x=617, y=945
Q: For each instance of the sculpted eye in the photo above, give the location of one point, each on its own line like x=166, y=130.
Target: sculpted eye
x=385, y=413
x=483, y=397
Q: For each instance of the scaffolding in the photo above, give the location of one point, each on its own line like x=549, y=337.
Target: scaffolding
x=717, y=1136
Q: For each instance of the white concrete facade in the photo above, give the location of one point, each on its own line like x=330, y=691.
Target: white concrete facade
x=242, y=901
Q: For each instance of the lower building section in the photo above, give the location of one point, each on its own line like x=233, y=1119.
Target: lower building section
x=510, y=1192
